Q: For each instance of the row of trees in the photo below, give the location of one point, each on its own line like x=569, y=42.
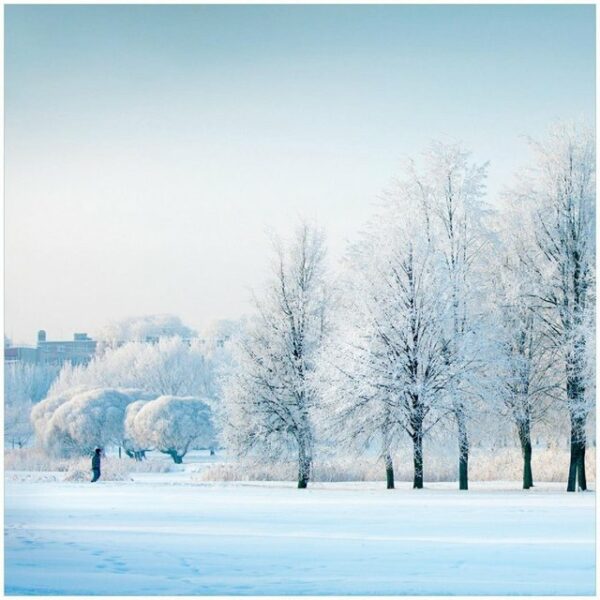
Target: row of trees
x=444, y=309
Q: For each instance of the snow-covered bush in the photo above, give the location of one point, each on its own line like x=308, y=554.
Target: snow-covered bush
x=173, y=425
x=89, y=419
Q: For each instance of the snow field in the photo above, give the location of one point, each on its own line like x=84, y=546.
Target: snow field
x=163, y=535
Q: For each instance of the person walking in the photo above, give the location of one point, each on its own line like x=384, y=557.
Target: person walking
x=96, y=464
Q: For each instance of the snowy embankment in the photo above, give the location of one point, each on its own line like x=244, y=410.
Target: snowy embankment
x=164, y=534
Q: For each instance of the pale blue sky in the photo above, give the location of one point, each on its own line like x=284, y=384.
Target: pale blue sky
x=149, y=148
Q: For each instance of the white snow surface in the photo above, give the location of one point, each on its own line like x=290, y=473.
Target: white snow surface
x=165, y=533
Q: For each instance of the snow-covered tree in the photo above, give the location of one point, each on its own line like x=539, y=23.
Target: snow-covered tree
x=134, y=443
x=269, y=397
x=388, y=371
x=25, y=384
x=42, y=412
x=526, y=377
x=144, y=328
x=171, y=425
x=89, y=419
x=450, y=189
x=558, y=195
x=170, y=366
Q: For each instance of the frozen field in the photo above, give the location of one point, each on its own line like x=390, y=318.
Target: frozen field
x=163, y=534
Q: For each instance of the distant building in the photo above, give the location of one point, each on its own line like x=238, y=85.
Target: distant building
x=20, y=354
x=77, y=351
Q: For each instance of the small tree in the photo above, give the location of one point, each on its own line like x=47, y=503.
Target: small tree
x=172, y=425
x=89, y=420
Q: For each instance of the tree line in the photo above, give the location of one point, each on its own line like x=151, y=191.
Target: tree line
x=443, y=308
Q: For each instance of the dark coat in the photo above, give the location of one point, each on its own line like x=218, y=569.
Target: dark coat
x=96, y=462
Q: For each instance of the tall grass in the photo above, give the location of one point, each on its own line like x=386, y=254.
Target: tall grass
x=506, y=464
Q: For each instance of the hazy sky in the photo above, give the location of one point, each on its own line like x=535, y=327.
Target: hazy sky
x=149, y=149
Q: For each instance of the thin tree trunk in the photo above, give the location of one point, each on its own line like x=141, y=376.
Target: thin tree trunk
x=389, y=470
x=525, y=438
x=418, y=460
x=463, y=452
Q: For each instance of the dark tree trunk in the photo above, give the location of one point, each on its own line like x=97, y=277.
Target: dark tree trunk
x=138, y=455
x=418, y=459
x=577, y=463
x=581, y=480
x=304, y=465
x=389, y=470
x=575, y=395
x=119, y=451
x=463, y=453
x=418, y=464
x=525, y=439
x=177, y=458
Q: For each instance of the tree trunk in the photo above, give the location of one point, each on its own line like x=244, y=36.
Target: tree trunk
x=463, y=452
x=304, y=464
x=581, y=480
x=577, y=463
x=418, y=463
x=525, y=438
x=389, y=470
x=119, y=451
x=177, y=458
x=576, y=398
x=418, y=458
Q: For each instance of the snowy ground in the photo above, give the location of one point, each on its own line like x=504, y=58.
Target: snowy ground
x=164, y=534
